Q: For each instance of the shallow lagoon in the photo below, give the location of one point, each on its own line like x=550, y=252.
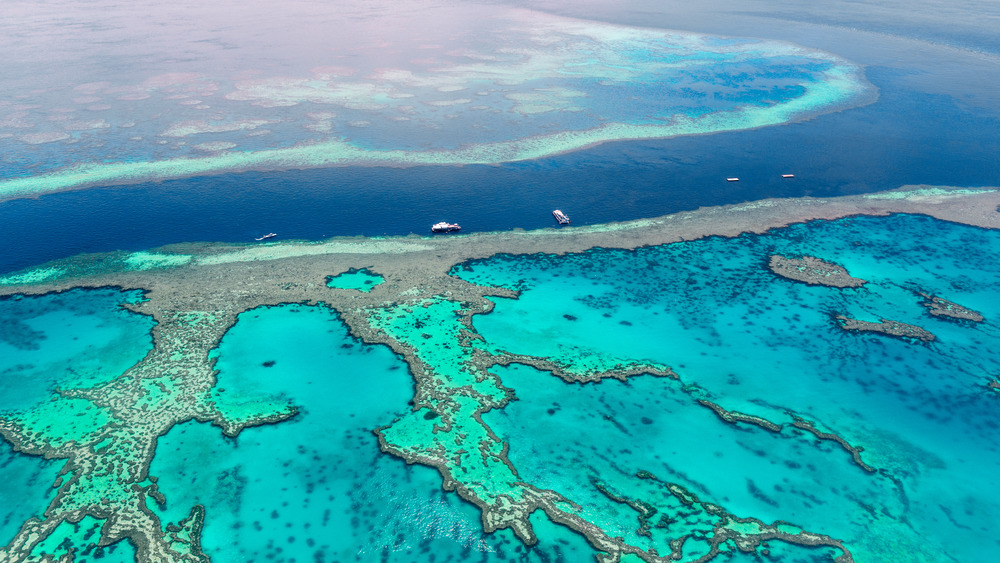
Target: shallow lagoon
x=317, y=487
x=757, y=343
x=28, y=488
x=737, y=334
x=76, y=339
x=702, y=307
x=79, y=338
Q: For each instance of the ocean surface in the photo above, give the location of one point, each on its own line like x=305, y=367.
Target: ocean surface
x=317, y=488
x=908, y=137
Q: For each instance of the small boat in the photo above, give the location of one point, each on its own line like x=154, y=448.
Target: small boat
x=267, y=236
x=732, y=179
x=444, y=227
x=788, y=175
x=560, y=217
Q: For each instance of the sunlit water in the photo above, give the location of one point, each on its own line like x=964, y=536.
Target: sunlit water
x=220, y=88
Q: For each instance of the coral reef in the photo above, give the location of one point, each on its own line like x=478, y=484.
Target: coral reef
x=107, y=433
x=813, y=271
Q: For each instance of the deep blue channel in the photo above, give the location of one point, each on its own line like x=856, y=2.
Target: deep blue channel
x=903, y=138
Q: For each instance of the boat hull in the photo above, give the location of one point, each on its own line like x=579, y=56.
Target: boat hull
x=445, y=227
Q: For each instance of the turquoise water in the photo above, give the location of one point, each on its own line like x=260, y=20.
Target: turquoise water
x=764, y=345
x=490, y=84
x=27, y=489
x=316, y=487
x=82, y=536
x=79, y=338
x=361, y=280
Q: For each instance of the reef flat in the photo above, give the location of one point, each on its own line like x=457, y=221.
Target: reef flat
x=423, y=310
x=940, y=307
x=888, y=327
x=812, y=270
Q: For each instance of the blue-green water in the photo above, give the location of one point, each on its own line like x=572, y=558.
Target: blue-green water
x=752, y=342
x=361, y=280
x=79, y=338
x=27, y=489
x=68, y=340
x=765, y=345
x=83, y=537
x=317, y=487
x=566, y=436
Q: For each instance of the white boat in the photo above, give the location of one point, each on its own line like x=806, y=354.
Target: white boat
x=444, y=227
x=267, y=236
x=560, y=217
x=788, y=175
x=732, y=179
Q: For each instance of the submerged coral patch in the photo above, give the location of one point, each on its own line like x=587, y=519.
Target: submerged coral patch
x=940, y=307
x=888, y=327
x=813, y=271
x=66, y=340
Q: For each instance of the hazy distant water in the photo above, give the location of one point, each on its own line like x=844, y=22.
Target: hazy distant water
x=421, y=83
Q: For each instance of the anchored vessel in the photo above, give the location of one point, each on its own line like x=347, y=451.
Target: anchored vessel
x=444, y=227
x=267, y=236
x=788, y=175
x=732, y=179
x=561, y=217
